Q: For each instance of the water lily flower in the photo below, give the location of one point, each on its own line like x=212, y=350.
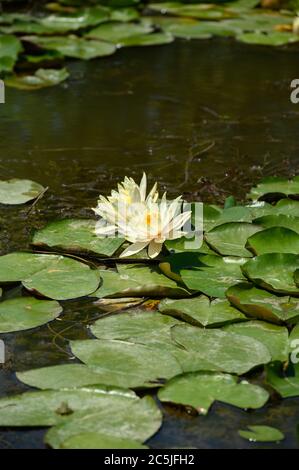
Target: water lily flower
x=143, y=220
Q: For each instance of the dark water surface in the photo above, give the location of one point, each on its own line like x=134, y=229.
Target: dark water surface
x=156, y=109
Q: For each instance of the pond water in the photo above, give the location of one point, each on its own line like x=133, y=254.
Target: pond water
x=203, y=118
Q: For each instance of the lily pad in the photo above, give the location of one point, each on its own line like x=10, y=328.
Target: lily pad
x=194, y=244
x=25, y=313
x=275, y=38
x=17, y=191
x=191, y=29
x=10, y=48
x=136, y=421
x=154, y=39
x=274, y=188
x=76, y=236
x=201, y=389
x=260, y=433
x=274, y=240
x=274, y=272
x=52, y=276
x=138, y=281
x=229, y=351
x=50, y=407
x=290, y=222
x=274, y=337
x=63, y=376
x=214, y=276
x=73, y=46
x=287, y=206
x=96, y=440
x=200, y=11
x=200, y=311
x=230, y=239
x=127, y=364
x=124, y=14
x=286, y=383
x=116, y=32
x=42, y=78
x=261, y=304
x=82, y=18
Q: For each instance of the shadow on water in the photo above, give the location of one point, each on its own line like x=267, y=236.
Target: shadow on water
x=203, y=118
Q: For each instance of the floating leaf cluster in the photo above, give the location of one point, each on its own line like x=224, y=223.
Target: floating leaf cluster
x=220, y=315
x=33, y=47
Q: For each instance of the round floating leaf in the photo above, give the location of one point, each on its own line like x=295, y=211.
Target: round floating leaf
x=287, y=206
x=258, y=303
x=138, y=281
x=285, y=383
x=73, y=46
x=76, y=235
x=116, y=32
x=42, y=78
x=96, y=440
x=201, y=389
x=82, y=18
x=274, y=240
x=230, y=352
x=16, y=191
x=296, y=277
x=154, y=39
x=124, y=14
x=25, y=312
x=191, y=29
x=200, y=311
x=136, y=326
x=274, y=337
x=214, y=276
x=275, y=188
x=260, y=433
x=136, y=421
x=274, y=38
x=230, y=239
x=50, y=407
x=127, y=364
x=52, y=276
x=201, y=11
x=183, y=244
x=63, y=376
x=287, y=221
x=10, y=47
x=273, y=271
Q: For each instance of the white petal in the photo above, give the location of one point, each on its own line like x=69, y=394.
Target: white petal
x=133, y=249
x=154, y=249
x=142, y=187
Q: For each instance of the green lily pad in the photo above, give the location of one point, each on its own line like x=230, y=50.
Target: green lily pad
x=62, y=376
x=200, y=11
x=154, y=39
x=127, y=364
x=136, y=326
x=42, y=78
x=10, y=48
x=201, y=389
x=73, y=46
x=138, y=281
x=275, y=188
x=274, y=337
x=230, y=239
x=96, y=440
x=290, y=222
x=136, y=421
x=229, y=351
x=287, y=206
x=274, y=272
x=26, y=27
x=286, y=383
x=296, y=277
x=274, y=240
x=76, y=236
x=261, y=304
x=191, y=29
x=214, y=276
x=124, y=14
x=260, y=433
x=52, y=276
x=116, y=32
x=25, y=313
x=84, y=17
x=214, y=216
x=275, y=38
x=200, y=311
x=194, y=244
x=17, y=191
x=50, y=407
